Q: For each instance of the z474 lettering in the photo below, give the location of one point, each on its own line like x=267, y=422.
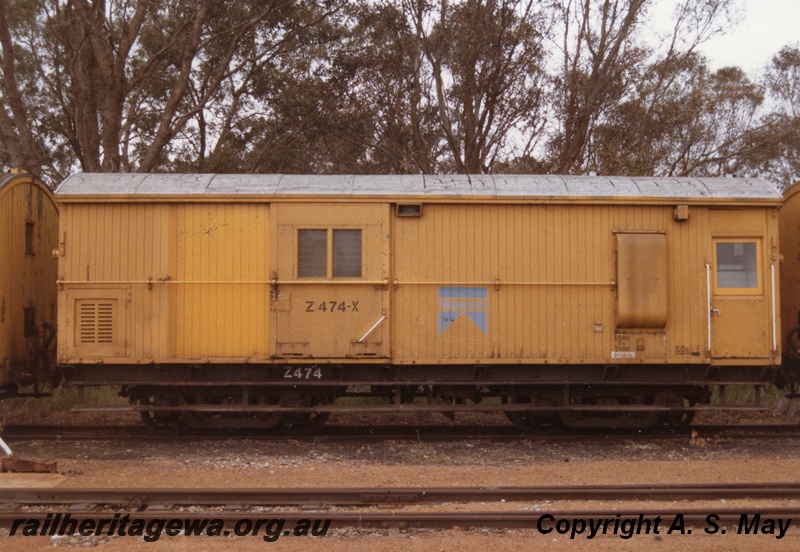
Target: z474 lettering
x=332, y=306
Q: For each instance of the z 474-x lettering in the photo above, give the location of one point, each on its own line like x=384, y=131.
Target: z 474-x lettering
x=332, y=306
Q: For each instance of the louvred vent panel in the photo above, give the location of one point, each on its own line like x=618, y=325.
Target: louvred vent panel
x=95, y=322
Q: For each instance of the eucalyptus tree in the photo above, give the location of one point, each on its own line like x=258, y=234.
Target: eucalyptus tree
x=486, y=63
x=139, y=85
x=20, y=148
x=699, y=125
x=776, y=142
x=606, y=54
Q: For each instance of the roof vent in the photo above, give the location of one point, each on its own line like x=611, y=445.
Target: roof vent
x=409, y=210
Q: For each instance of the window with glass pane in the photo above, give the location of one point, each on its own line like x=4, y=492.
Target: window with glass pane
x=347, y=253
x=312, y=253
x=737, y=265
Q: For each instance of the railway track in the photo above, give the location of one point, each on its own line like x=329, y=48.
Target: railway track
x=328, y=497
x=20, y=432
x=396, y=507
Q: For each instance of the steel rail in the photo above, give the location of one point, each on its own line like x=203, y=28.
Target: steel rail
x=139, y=497
x=334, y=433
x=394, y=408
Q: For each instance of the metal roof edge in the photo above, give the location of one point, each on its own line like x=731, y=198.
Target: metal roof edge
x=481, y=187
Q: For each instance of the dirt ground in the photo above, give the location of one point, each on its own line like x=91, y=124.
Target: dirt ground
x=248, y=462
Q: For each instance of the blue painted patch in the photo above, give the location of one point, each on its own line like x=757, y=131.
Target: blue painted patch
x=455, y=301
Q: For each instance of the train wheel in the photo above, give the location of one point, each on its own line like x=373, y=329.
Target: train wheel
x=162, y=421
x=534, y=422
x=616, y=412
x=303, y=423
x=269, y=420
x=676, y=421
x=792, y=340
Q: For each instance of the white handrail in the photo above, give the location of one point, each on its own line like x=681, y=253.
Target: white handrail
x=369, y=331
x=5, y=448
x=774, y=313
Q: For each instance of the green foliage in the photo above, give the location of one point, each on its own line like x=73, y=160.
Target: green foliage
x=386, y=86
x=63, y=399
x=744, y=395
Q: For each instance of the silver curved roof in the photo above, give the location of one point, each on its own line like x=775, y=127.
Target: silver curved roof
x=9, y=178
x=518, y=186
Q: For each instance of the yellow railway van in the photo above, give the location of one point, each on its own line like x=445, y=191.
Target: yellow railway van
x=264, y=299
x=790, y=277
x=29, y=225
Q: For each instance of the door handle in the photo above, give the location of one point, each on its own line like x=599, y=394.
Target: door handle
x=713, y=311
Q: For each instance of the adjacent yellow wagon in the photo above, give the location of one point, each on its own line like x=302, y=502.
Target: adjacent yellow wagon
x=28, y=226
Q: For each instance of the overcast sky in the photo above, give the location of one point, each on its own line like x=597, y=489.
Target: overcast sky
x=764, y=27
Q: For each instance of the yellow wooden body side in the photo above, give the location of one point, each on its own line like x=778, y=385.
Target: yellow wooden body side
x=553, y=288
x=186, y=281
x=472, y=281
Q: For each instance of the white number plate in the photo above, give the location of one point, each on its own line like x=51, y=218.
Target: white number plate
x=304, y=373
